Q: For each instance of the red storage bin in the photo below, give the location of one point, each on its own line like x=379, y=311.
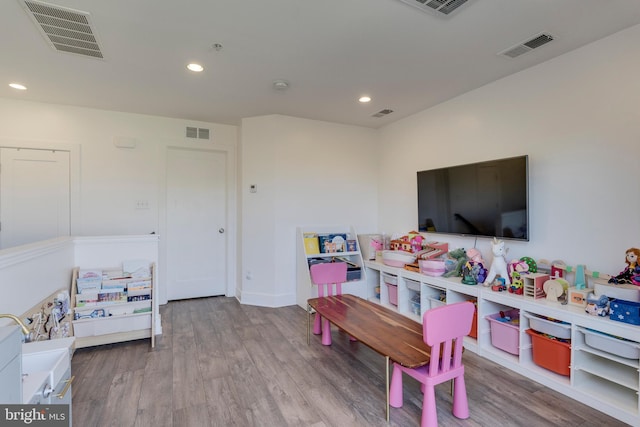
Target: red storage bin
x=552, y=354
x=474, y=324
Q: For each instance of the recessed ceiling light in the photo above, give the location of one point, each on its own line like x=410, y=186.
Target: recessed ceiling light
x=280, y=84
x=195, y=67
x=364, y=99
x=18, y=86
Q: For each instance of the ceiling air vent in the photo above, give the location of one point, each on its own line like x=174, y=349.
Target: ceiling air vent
x=441, y=7
x=528, y=46
x=382, y=113
x=66, y=30
x=197, y=133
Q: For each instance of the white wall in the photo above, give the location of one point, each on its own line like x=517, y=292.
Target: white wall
x=110, y=180
x=578, y=119
x=307, y=172
x=30, y=273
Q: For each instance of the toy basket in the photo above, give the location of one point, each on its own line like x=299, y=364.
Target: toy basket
x=505, y=334
x=551, y=354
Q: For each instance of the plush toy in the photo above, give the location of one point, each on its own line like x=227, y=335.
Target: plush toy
x=499, y=263
x=597, y=306
x=459, y=257
x=531, y=263
x=517, y=266
x=631, y=273
x=474, y=255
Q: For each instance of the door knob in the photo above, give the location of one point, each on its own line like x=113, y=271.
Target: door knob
x=221, y=230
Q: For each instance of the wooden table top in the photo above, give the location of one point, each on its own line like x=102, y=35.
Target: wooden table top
x=383, y=330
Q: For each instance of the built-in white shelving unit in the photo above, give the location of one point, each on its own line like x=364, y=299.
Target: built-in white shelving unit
x=601, y=379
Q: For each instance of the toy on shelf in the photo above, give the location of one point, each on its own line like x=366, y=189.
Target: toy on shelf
x=578, y=293
x=499, y=263
x=516, y=286
x=499, y=285
x=457, y=259
x=631, y=273
x=473, y=273
x=555, y=289
x=597, y=306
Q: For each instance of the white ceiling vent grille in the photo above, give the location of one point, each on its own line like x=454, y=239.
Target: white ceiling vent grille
x=66, y=30
x=441, y=7
x=382, y=113
x=198, y=133
x=527, y=46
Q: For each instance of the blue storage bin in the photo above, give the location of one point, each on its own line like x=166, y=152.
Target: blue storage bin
x=624, y=311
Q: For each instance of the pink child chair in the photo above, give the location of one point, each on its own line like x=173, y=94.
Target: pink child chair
x=327, y=275
x=443, y=330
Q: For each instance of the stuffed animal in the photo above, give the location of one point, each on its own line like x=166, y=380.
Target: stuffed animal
x=499, y=263
x=474, y=255
x=459, y=257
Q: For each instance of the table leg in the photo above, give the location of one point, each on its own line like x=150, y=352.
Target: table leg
x=308, y=324
x=386, y=359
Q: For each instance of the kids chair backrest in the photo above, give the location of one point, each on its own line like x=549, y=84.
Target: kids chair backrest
x=443, y=329
x=327, y=275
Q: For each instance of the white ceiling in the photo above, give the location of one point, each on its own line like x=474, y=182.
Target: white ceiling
x=331, y=52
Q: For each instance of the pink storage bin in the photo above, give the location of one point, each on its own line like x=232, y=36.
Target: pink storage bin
x=505, y=335
x=432, y=267
x=393, y=293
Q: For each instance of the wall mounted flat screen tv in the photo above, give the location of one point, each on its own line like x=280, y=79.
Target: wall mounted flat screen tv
x=489, y=199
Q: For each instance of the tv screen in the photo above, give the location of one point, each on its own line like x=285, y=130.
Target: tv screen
x=481, y=199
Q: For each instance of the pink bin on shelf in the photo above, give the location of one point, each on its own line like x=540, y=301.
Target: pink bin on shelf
x=393, y=293
x=505, y=334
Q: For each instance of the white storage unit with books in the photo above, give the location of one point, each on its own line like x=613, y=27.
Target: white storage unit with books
x=324, y=244
x=113, y=305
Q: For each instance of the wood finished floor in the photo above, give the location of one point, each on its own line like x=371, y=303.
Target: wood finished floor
x=220, y=363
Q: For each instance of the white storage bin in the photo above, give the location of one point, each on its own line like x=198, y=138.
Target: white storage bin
x=435, y=302
x=556, y=328
x=390, y=279
x=610, y=344
x=413, y=285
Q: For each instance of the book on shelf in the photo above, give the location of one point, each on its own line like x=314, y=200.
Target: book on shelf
x=138, y=285
x=88, y=284
x=137, y=268
x=89, y=273
x=134, y=298
x=101, y=297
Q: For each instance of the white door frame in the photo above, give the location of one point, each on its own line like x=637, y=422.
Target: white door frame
x=75, y=228
x=232, y=220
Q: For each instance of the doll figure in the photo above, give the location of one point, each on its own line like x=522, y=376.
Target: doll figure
x=631, y=273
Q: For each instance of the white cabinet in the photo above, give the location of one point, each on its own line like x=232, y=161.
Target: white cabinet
x=10, y=365
x=129, y=315
x=604, y=376
x=309, y=253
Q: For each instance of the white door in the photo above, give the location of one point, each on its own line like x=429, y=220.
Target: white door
x=34, y=195
x=196, y=223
